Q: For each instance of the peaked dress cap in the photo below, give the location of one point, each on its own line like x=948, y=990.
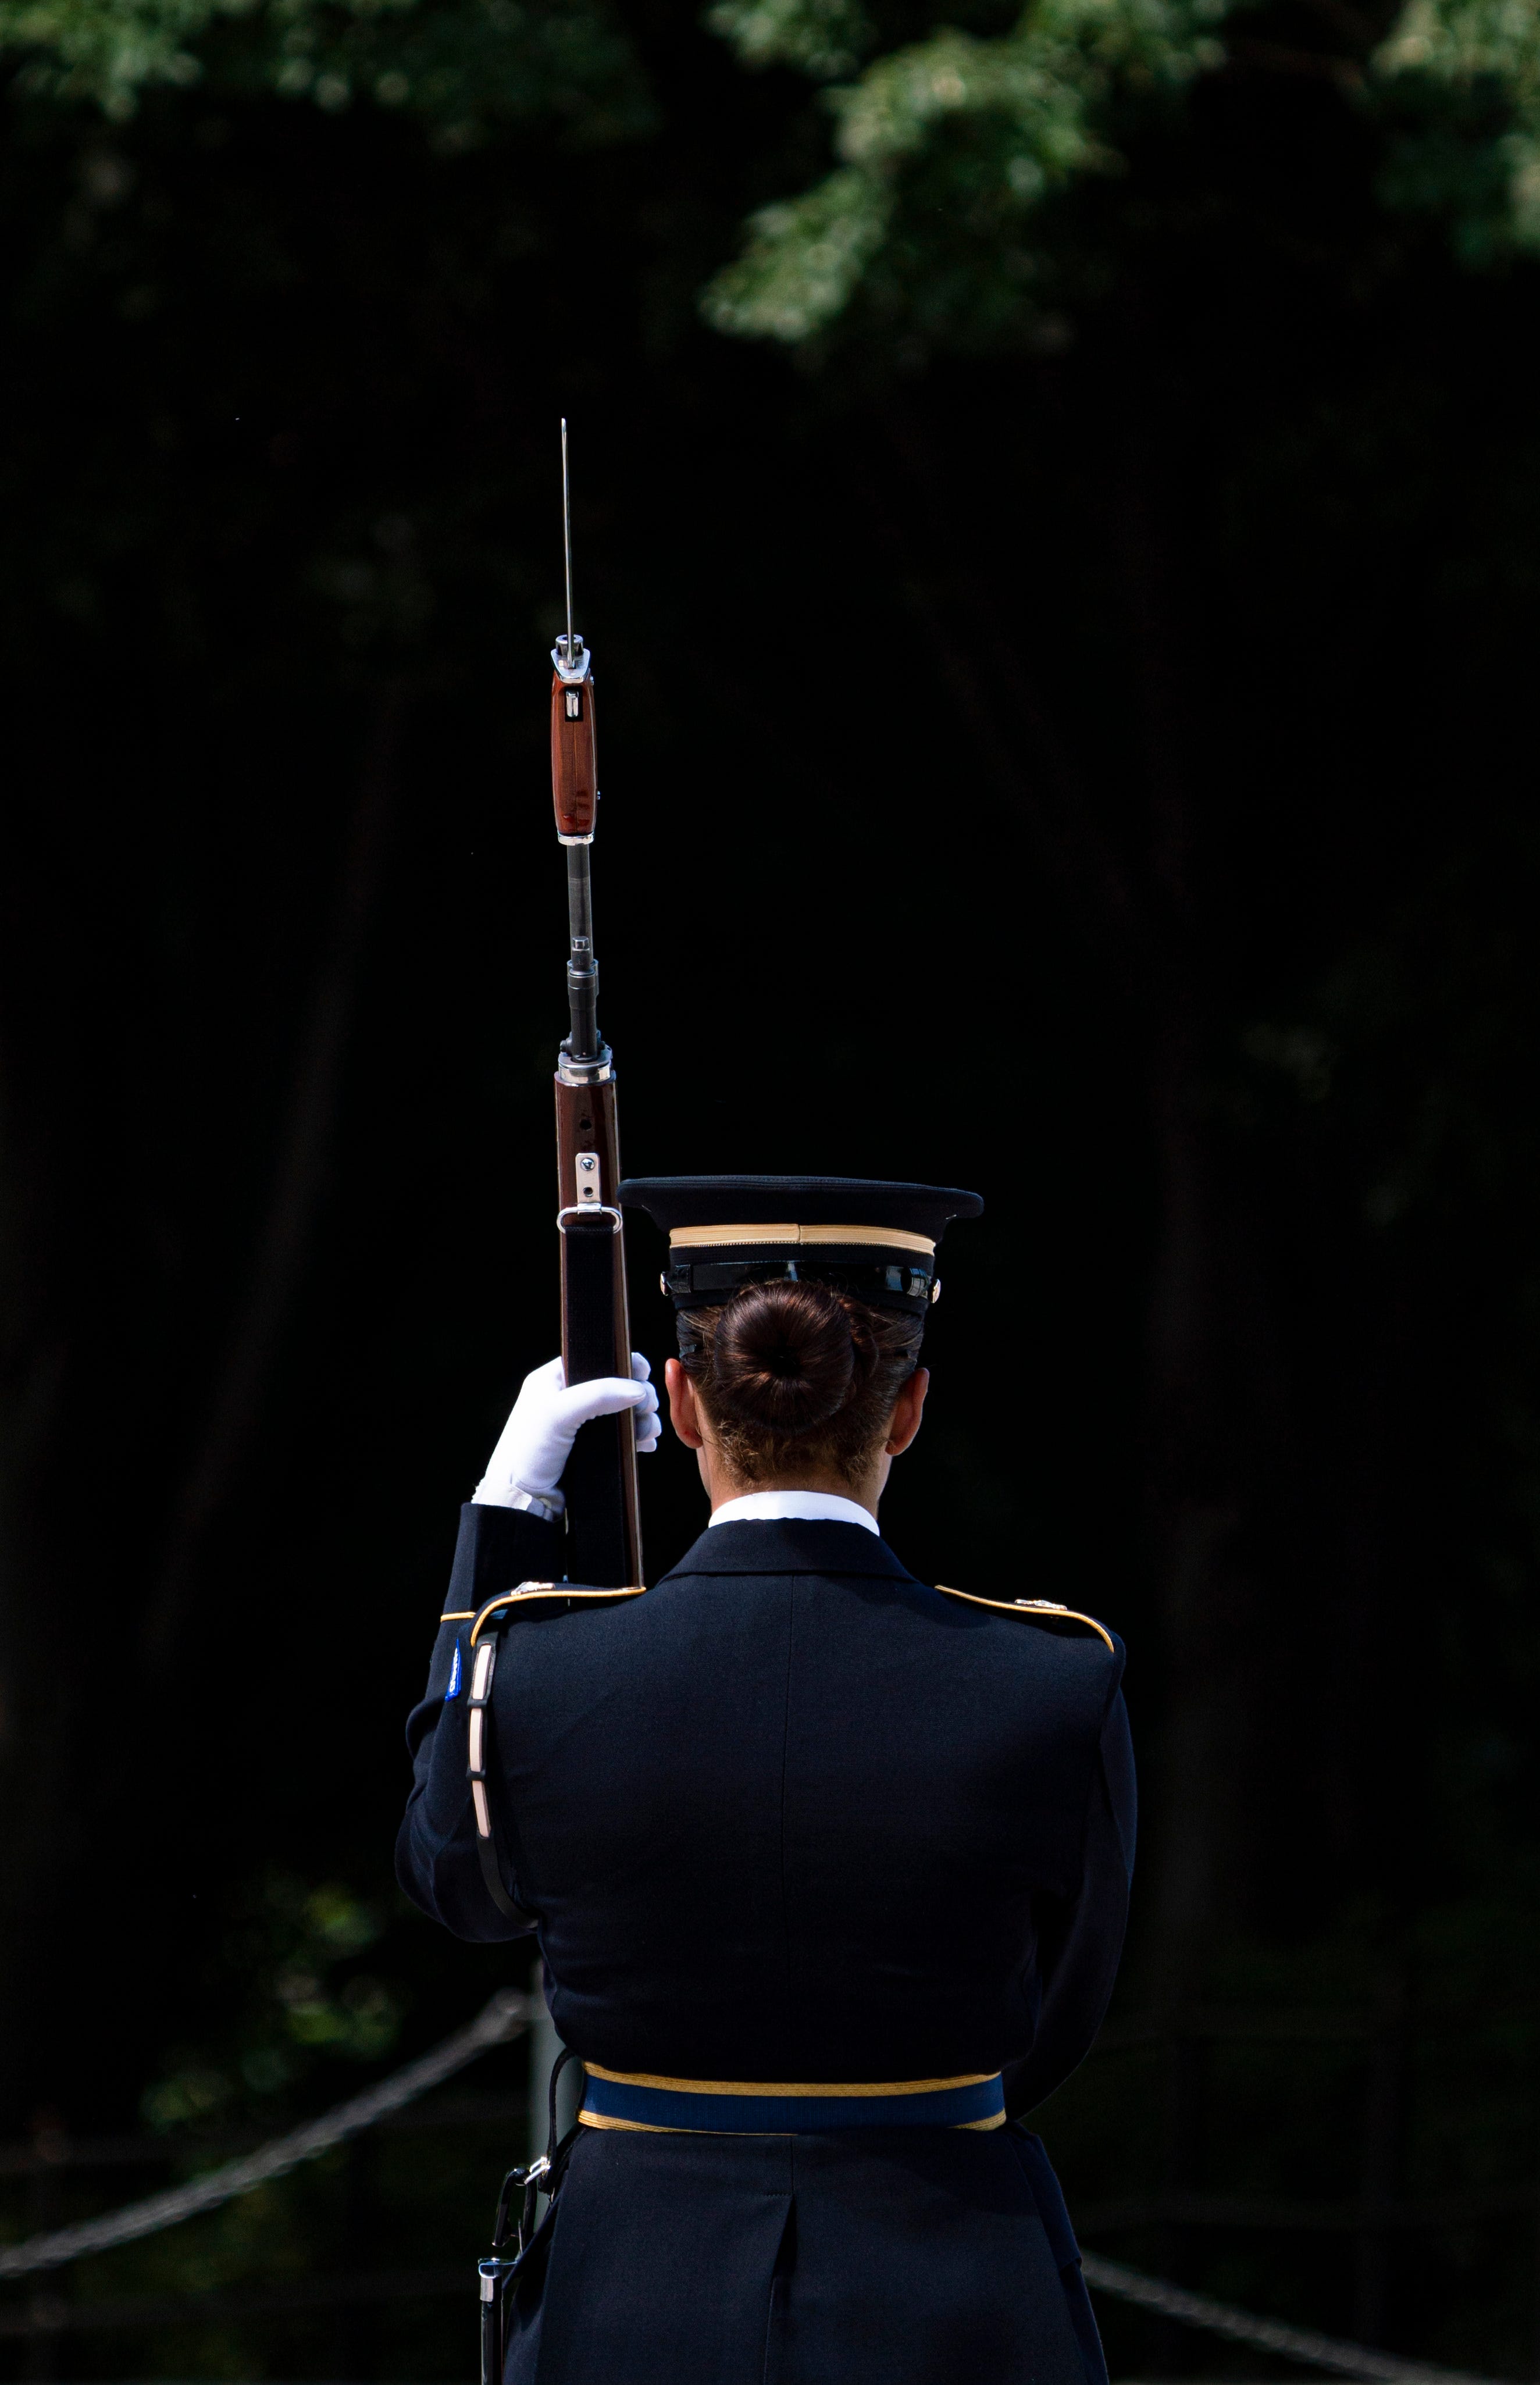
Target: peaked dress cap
x=874, y=1239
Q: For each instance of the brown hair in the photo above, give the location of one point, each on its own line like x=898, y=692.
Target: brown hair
x=795, y=1377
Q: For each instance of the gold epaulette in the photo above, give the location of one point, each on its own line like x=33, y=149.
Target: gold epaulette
x=1034, y=1610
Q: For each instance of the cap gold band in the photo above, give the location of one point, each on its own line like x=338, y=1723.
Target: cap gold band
x=710, y=1238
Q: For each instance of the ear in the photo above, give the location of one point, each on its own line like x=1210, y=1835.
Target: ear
x=906, y=1409
x=682, y=1411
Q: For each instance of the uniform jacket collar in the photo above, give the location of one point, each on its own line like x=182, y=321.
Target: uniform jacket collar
x=791, y=1545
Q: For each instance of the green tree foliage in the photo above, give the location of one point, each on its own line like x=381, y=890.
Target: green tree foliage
x=461, y=65
x=1458, y=82
x=286, y=1987
x=952, y=148
x=949, y=148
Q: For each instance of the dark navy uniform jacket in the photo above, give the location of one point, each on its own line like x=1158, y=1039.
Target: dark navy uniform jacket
x=792, y=1816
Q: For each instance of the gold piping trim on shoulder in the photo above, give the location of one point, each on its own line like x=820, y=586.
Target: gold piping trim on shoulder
x=887, y=1238
x=536, y=1590
x=1028, y=1607
x=787, y=2087
x=996, y=2120
x=459, y=1615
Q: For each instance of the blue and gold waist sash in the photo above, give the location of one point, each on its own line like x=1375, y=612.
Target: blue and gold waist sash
x=623, y=2099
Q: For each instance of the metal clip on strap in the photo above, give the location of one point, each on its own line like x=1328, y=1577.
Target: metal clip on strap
x=497, y=2270
x=590, y=1209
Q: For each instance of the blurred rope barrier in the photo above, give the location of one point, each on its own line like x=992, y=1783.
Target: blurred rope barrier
x=1301, y=2343
x=507, y=2016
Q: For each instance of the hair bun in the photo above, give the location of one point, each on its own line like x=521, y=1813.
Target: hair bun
x=786, y=1355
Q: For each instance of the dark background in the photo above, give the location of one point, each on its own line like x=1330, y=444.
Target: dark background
x=1096, y=766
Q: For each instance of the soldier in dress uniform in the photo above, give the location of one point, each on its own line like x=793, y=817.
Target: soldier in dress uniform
x=828, y=1867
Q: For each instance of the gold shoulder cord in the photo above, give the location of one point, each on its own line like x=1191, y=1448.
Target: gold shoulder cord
x=1030, y=1609
x=507, y=1608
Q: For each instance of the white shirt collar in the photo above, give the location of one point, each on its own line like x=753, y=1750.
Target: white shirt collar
x=798, y=1506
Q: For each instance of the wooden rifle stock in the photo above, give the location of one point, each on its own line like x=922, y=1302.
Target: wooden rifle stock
x=574, y=767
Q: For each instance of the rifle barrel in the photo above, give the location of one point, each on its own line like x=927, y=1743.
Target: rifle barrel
x=567, y=534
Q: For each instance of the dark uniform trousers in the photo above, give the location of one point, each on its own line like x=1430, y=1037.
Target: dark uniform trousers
x=792, y=1816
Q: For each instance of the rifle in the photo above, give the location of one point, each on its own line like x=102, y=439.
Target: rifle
x=603, y=1519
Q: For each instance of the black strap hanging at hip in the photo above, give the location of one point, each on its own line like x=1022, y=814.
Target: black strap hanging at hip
x=497, y=2270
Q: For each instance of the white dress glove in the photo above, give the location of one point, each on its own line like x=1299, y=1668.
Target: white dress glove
x=537, y=1440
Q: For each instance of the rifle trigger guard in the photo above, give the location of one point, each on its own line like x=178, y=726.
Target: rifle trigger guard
x=590, y=1209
